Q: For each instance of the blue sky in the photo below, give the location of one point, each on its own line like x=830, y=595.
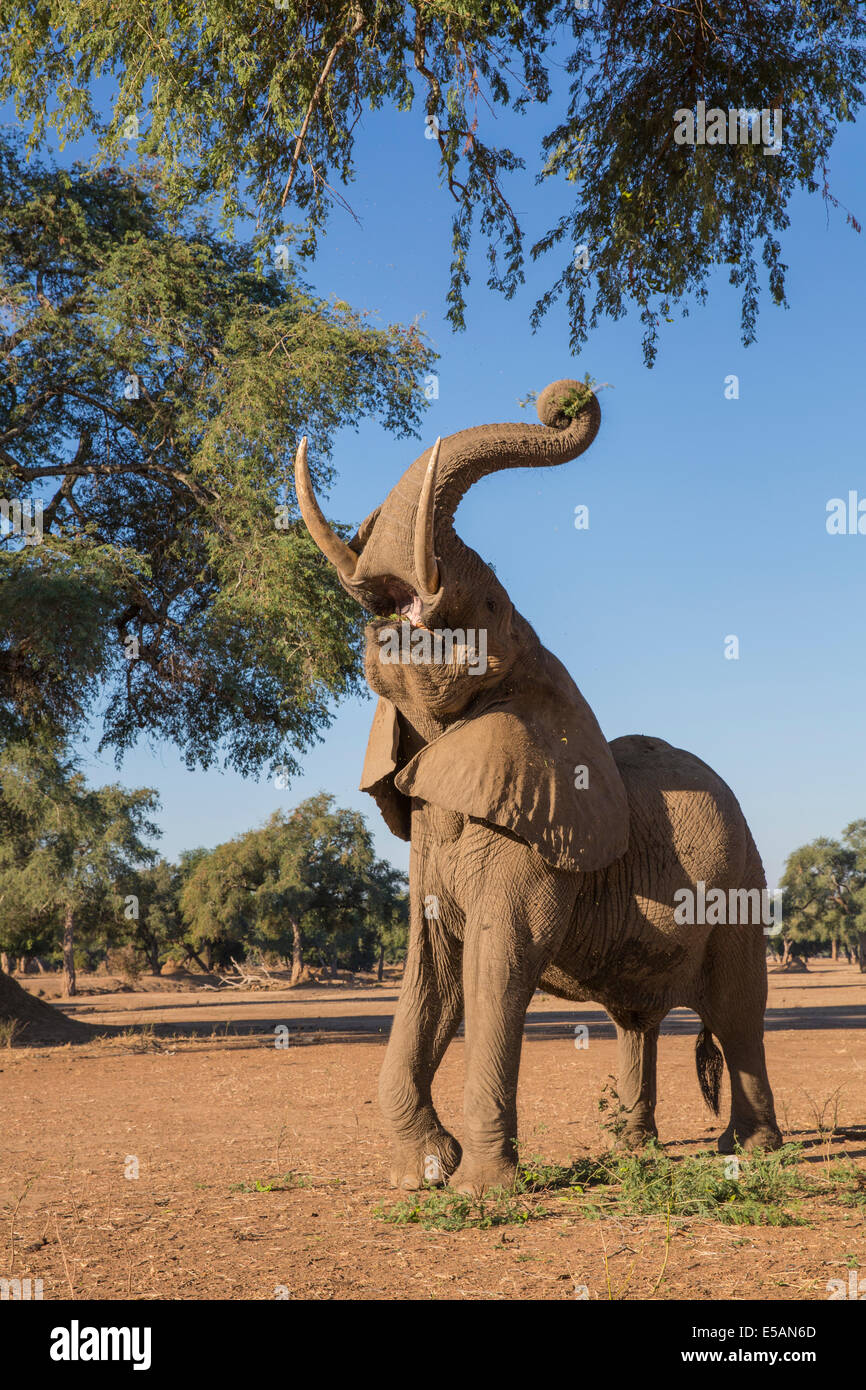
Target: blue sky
x=707, y=515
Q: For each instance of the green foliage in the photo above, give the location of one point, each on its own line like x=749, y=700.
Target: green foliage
x=659, y=218
x=313, y=867
x=457, y=1211
x=647, y=1183
x=155, y=929
x=67, y=846
x=174, y=575
x=824, y=886
x=650, y=1182
x=257, y=106
x=287, y=1183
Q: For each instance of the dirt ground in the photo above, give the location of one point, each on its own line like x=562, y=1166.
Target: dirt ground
x=202, y=1105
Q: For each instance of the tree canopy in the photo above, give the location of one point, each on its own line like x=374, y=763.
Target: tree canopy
x=153, y=386
x=70, y=845
x=306, y=876
x=824, y=886
x=258, y=105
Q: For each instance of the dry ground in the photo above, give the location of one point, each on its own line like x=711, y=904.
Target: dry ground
x=209, y=1106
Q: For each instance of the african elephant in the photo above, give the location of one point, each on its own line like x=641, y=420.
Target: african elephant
x=540, y=854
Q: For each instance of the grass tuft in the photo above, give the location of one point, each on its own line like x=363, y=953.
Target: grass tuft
x=768, y=1190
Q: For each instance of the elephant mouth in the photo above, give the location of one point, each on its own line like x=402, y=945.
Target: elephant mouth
x=390, y=599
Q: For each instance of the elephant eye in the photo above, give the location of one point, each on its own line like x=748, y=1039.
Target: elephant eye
x=491, y=604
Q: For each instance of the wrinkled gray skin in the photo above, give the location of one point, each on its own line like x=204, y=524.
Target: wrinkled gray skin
x=501, y=861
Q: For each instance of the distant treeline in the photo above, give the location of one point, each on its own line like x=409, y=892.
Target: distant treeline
x=80, y=886
x=824, y=899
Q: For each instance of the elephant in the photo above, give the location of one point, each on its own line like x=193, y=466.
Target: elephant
x=541, y=856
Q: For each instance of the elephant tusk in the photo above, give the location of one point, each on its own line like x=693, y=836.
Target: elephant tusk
x=330, y=544
x=426, y=564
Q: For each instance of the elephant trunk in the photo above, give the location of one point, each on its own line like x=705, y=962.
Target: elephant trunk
x=415, y=523
x=473, y=453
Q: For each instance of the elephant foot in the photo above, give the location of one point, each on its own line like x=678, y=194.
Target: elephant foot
x=474, y=1177
x=636, y=1137
x=758, y=1137
x=431, y=1160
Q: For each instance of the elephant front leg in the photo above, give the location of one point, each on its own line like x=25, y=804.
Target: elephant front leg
x=497, y=990
x=427, y=1017
x=518, y=911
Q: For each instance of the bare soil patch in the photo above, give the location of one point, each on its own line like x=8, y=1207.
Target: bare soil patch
x=260, y=1168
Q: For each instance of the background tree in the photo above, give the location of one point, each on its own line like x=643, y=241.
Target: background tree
x=389, y=909
x=258, y=105
x=24, y=930
x=319, y=880
x=149, y=915
x=819, y=904
x=218, y=901
x=153, y=386
x=854, y=838
x=83, y=840
x=306, y=882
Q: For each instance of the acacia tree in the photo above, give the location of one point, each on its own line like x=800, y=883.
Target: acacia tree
x=821, y=884
x=389, y=905
x=217, y=900
x=325, y=859
x=82, y=840
x=307, y=880
x=258, y=105
x=153, y=387
x=148, y=913
x=324, y=881
x=854, y=839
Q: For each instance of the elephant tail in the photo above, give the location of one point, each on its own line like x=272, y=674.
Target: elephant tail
x=710, y=1065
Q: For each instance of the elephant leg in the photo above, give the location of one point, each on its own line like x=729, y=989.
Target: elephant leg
x=753, y=1118
x=733, y=1009
x=497, y=997
x=636, y=1083
x=517, y=913
x=428, y=1015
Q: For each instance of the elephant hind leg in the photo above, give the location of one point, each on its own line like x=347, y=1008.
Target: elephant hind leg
x=733, y=1009
x=753, y=1118
x=636, y=1083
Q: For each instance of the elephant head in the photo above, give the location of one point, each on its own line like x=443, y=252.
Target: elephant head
x=509, y=740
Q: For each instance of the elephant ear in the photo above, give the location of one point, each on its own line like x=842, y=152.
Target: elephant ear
x=534, y=762
x=380, y=764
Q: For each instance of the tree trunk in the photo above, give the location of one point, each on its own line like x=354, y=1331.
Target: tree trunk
x=22, y=965
x=861, y=942
x=334, y=964
x=69, y=954
x=40, y=965
x=208, y=955
x=834, y=949
x=5, y=963
x=297, y=954
x=381, y=971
